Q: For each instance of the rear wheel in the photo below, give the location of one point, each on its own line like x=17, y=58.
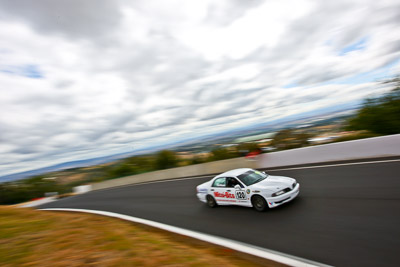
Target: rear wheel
x=259, y=203
x=211, y=201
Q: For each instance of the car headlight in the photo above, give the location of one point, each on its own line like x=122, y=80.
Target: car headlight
x=278, y=193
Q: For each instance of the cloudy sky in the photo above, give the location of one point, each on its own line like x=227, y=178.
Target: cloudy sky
x=82, y=79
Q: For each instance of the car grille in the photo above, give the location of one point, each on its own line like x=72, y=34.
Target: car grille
x=278, y=202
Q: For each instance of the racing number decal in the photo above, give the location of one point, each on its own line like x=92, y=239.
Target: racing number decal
x=240, y=194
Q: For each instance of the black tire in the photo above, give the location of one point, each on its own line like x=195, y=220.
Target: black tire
x=211, y=201
x=259, y=203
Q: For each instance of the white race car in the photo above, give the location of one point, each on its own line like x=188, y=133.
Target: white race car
x=249, y=188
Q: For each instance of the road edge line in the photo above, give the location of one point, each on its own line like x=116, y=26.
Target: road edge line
x=228, y=243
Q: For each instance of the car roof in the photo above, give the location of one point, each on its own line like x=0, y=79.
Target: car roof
x=234, y=173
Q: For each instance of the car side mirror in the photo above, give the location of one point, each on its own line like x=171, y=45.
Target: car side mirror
x=237, y=186
x=264, y=173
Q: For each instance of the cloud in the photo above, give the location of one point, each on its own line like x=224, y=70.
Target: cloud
x=81, y=79
x=73, y=19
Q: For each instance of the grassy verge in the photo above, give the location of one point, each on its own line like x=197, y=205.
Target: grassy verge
x=42, y=238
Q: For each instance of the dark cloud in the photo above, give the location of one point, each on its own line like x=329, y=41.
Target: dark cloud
x=73, y=18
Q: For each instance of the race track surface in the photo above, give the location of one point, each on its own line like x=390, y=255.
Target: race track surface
x=344, y=215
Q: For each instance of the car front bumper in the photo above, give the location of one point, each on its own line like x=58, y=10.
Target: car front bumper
x=277, y=201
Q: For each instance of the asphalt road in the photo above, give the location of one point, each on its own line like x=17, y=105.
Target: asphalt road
x=344, y=215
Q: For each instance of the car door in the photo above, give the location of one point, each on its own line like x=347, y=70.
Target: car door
x=221, y=193
x=239, y=190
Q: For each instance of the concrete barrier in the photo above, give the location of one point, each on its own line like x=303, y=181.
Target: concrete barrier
x=82, y=189
x=187, y=171
x=384, y=146
x=37, y=202
x=357, y=149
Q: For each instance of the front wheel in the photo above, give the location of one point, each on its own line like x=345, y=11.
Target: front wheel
x=211, y=202
x=259, y=203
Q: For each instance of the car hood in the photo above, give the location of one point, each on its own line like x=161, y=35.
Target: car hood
x=204, y=185
x=274, y=183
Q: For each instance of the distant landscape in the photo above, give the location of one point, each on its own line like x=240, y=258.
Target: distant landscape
x=376, y=117
x=203, y=143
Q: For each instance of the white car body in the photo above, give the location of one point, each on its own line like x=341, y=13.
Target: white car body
x=275, y=190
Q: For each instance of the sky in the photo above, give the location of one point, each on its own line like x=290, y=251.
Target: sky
x=84, y=79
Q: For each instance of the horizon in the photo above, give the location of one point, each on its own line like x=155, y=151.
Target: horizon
x=97, y=77
x=86, y=162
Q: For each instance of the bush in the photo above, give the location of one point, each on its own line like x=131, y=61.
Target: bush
x=379, y=115
x=166, y=159
x=355, y=137
x=25, y=190
x=288, y=139
x=221, y=154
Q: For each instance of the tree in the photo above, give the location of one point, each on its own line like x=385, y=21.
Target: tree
x=24, y=190
x=166, y=159
x=288, y=138
x=221, y=154
x=120, y=170
x=380, y=115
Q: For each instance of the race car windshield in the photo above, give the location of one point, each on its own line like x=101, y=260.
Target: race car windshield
x=252, y=177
